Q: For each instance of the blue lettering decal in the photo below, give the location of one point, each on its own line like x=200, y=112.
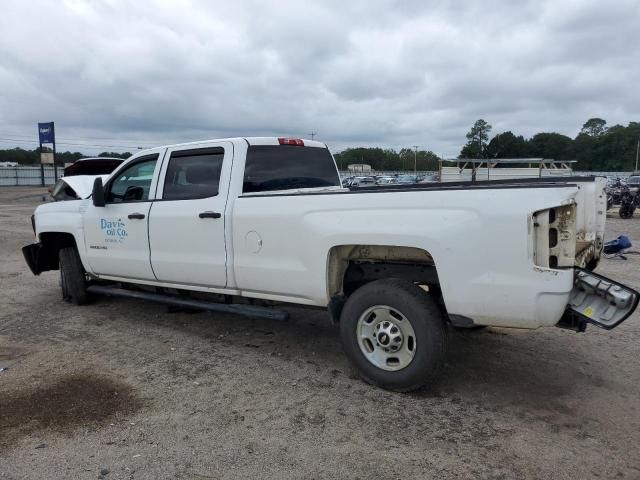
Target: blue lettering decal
x=114, y=230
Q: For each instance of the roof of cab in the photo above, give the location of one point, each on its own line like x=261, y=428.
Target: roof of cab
x=275, y=141
x=249, y=140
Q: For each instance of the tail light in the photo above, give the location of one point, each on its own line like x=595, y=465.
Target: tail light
x=291, y=141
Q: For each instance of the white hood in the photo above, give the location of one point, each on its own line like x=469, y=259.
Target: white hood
x=82, y=184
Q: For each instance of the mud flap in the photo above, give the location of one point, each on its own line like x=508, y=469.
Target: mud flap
x=598, y=300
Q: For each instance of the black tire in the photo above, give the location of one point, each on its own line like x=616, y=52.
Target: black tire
x=72, y=277
x=626, y=211
x=426, y=319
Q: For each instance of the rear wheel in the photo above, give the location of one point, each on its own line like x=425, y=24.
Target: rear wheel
x=72, y=277
x=394, y=334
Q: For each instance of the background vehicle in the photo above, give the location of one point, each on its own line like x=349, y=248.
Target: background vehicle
x=407, y=179
x=386, y=181
x=64, y=188
x=629, y=201
x=428, y=179
x=267, y=219
x=362, y=182
x=633, y=182
x=93, y=166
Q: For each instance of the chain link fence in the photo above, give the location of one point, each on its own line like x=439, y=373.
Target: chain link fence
x=37, y=175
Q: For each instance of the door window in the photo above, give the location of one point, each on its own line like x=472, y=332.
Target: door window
x=193, y=174
x=133, y=183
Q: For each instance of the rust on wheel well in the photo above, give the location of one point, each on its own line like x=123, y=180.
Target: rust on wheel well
x=350, y=266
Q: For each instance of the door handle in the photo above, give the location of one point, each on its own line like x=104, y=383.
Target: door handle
x=209, y=215
x=136, y=216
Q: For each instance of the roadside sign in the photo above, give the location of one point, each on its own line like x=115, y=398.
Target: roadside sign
x=46, y=133
x=47, y=137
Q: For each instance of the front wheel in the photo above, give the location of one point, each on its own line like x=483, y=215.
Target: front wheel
x=394, y=334
x=72, y=277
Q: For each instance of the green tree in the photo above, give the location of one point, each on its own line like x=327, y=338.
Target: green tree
x=507, y=145
x=584, y=151
x=551, y=145
x=124, y=155
x=594, y=127
x=477, y=139
x=387, y=159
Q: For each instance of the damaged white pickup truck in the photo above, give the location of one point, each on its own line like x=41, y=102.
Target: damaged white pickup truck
x=238, y=225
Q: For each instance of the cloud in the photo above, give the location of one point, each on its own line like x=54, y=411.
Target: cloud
x=387, y=73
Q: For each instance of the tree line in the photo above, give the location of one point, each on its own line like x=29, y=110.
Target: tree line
x=32, y=157
x=388, y=159
x=597, y=147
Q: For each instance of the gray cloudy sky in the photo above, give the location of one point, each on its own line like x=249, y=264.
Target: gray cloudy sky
x=375, y=73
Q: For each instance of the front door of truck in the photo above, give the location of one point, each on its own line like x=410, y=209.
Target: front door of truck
x=187, y=220
x=116, y=236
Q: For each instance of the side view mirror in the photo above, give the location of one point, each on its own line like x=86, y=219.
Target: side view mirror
x=97, y=194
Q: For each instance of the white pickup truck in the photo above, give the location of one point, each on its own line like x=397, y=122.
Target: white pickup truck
x=239, y=224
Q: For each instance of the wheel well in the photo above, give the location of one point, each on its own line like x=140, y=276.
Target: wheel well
x=351, y=266
x=51, y=243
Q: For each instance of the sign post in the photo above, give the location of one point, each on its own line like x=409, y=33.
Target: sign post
x=47, y=136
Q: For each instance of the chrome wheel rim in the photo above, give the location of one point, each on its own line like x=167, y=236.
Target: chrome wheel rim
x=386, y=338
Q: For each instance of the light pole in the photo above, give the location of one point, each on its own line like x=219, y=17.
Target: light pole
x=415, y=160
x=637, y=154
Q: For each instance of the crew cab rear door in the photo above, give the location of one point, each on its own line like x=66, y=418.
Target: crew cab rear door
x=187, y=220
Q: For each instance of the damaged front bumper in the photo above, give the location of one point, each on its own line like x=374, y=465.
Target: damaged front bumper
x=597, y=300
x=39, y=259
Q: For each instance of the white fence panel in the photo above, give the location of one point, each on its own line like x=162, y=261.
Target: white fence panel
x=17, y=176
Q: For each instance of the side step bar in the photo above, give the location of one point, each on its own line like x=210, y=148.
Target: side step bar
x=236, y=308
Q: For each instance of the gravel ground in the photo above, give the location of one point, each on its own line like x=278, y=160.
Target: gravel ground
x=125, y=389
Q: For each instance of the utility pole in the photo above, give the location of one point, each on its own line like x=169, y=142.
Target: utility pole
x=313, y=134
x=415, y=160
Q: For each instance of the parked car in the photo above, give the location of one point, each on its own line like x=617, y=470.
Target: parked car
x=407, y=179
x=633, y=182
x=363, y=182
x=92, y=166
x=234, y=225
x=428, y=179
x=386, y=181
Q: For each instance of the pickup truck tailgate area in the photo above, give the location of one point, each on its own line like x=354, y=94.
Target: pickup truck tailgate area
x=599, y=300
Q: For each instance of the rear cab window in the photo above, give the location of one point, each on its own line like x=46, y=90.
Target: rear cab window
x=288, y=167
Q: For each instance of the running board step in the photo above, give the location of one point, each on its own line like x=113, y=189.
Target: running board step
x=236, y=308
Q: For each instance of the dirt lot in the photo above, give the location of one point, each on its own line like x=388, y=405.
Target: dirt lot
x=125, y=389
